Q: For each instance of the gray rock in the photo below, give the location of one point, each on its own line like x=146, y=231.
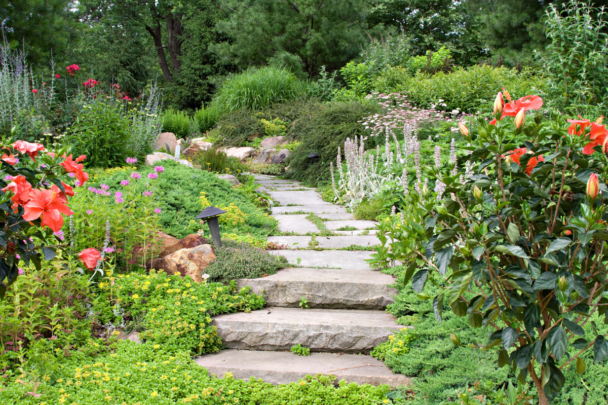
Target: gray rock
x=197, y=147
x=284, y=367
x=280, y=157
x=324, y=288
x=166, y=140
x=240, y=153
x=320, y=330
x=230, y=179
x=264, y=155
x=273, y=141
x=156, y=157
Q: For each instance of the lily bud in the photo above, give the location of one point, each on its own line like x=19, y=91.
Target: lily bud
x=520, y=118
x=478, y=194
x=599, y=120
x=463, y=129
x=605, y=145
x=593, y=186
x=562, y=284
x=498, y=103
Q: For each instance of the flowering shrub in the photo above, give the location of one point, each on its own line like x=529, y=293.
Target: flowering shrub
x=396, y=345
x=32, y=201
x=175, y=312
x=519, y=245
x=148, y=375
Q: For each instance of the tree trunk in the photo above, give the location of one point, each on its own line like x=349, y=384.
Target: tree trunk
x=175, y=29
x=542, y=399
x=158, y=43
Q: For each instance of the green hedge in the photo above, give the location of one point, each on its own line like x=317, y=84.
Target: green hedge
x=466, y=89
x=178, y=123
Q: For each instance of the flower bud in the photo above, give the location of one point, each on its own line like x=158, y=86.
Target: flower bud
x=599, y=120
x=463, y=129
x=593, y=186
x=478, y=194
x=605, y=145
x=562, y=284
x=498, y=103
x=455, y=339
x=520, y=118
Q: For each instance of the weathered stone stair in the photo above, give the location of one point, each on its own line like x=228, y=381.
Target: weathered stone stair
x=347, y=298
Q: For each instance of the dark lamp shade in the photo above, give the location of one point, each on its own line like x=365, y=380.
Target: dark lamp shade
x=210, y=212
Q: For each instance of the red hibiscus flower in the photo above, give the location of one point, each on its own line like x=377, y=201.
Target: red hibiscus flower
x=90, y=257
x=31, y=149
x=517, y=153
x=72, y=166
x=48, y=205
x=69, y=192
x=10, y=159
x=581, y=124
x=21, y=188
x=598, y=135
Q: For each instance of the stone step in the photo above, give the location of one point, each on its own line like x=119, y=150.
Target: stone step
x=286, y=367
x=339, y=259
x=337, y=216
x=357, y=224
x=325, y=242
x=297, y=197
x=325, y=288
x=295, y=223
x=309, y=208
x=357, y=233
x=320, y=330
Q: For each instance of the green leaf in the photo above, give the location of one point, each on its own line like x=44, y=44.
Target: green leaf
x=555, y=382
x=443, y=258
x=478, y=252
x=419, y=280
x=444, y=239
x=522, y=356
x=475, y=320
x=2, y=291
x=409, y=272
x=49, y=254
x=509, y=336
x=459, y=307
x=540, y=351
x=531, y=317
x=534, y=268
x=546, y=281
x=580, y=344
x=573, y=327
x=600, y=349
x=580, y=287
x=580, y=366
x=558, y=245
x=513, y=232
x=512, y=250
x=558, y=342
x=438, y=306
x=585, y=237
x=503, y=358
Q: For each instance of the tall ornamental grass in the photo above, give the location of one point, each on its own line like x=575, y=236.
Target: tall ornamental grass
x=258, y=88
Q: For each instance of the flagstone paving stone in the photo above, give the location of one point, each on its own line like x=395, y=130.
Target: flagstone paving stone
x=335, y=225
x=340, y=259
x=295, y=223
x=309, y=208
x=326, y=242
x=297, y=197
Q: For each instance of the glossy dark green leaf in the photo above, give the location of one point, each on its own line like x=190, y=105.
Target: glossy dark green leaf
x=556, y=381
x=558, y=342
x=478, y=252
x=443, y=258
x=438, y=306
x=459, y=307
x=409, y=272
x=2, y=291
x=540, y=351
x=443, y=239
x=531, y=317
x=573, y=327
x=49, y=254
x=475, y=319
x=558, y=245
x=503, y=358
x=580, y=287
x=600, y=349
x=546, y=281
x=509, y=336
x=419, y=280
x=580, y=344
x=522, y=356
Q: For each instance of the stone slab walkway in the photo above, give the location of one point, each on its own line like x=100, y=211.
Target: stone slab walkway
x=345, y=296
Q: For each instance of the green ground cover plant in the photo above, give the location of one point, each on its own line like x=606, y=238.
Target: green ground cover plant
x=299, y=350
x=236, y=260
x=177, y=122
x=132, y=373
x=177, y=193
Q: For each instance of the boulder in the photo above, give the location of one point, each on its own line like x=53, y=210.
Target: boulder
x=156, y=157
x=240, y=153
x=230, y=179
x=196, y=147
x=189, y=242
x=280, y=157
x=265, y=155
x=166, y=139
x=273, y=141
x=165, y=241
x=190, y=262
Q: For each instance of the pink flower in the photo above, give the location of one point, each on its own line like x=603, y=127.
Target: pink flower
x=57, y=76
x=158, y=210
x=71, y=175
x=59, y=234
x=21, y=271
x=131, y=160
x=77, y=182
x=109, y=250
x=89, y=212
x=126, y=98
x=159, y=169
x=136, y=175
x=34, y=91
x=124, y=183
x=72, y=68
x=147, y=193
x=152, y=176
x=119, y=200
x=105, y=187
x=90, y=83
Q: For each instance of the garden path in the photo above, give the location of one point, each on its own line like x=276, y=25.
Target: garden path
x=345, y=318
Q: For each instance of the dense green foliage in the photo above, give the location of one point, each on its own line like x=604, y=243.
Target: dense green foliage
x=146, y=374
x=327, y=129
x=178, y=192
x=236, y=260
x=302, y=35
x=177, y=122
x=207, y=117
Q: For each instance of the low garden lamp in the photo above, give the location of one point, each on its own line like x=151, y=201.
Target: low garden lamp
x=314, y=156
x=210, y=214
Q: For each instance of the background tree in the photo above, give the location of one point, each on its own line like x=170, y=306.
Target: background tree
x=49, y=27
x=300, y=34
